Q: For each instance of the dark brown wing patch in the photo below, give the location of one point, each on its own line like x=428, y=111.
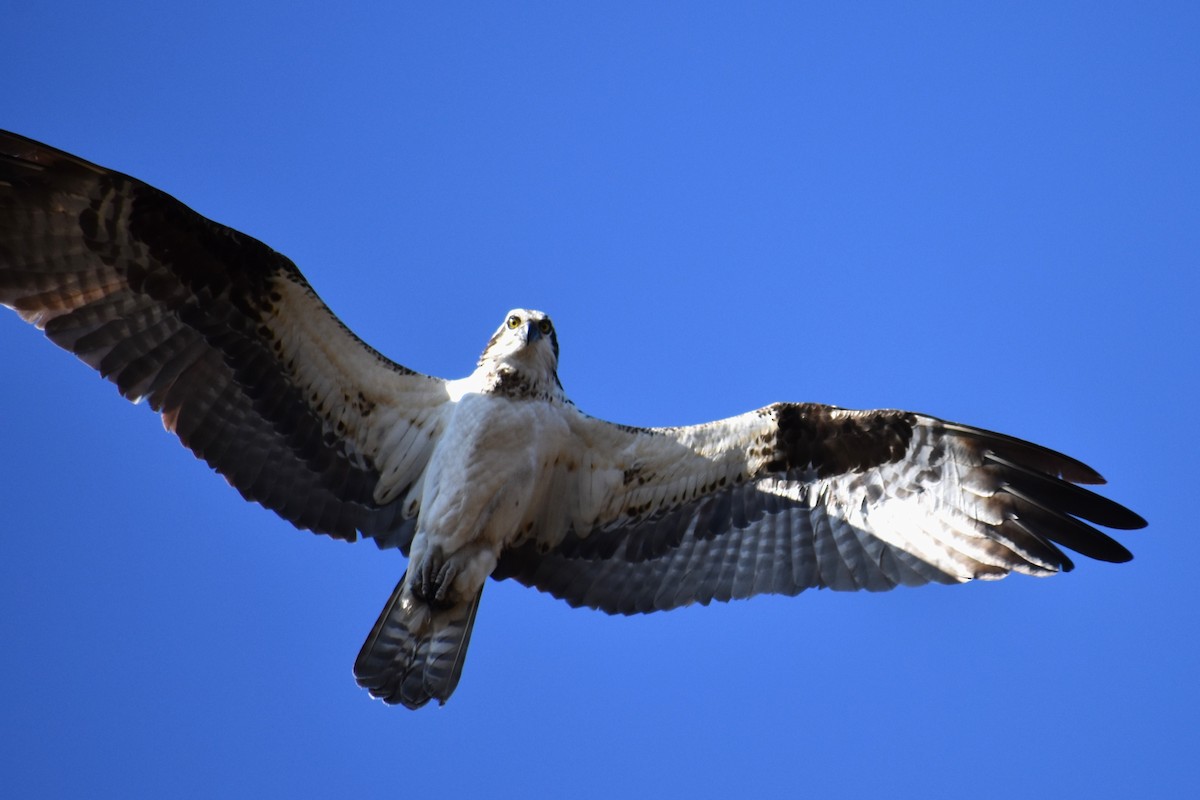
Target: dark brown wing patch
x=832, y=441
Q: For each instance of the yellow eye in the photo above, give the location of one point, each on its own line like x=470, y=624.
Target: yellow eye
x=544, y=326
x=514, y=322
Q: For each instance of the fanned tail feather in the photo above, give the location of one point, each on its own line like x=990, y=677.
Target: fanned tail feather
x=415, y=652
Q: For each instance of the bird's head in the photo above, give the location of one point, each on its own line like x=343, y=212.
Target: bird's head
x=522, y=354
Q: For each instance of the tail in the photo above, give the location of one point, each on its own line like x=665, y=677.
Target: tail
x=415, y=651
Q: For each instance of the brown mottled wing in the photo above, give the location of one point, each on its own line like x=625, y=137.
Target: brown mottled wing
x=795, y=496
x=222, y=336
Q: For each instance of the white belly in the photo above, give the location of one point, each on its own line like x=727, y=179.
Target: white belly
x=486, y=480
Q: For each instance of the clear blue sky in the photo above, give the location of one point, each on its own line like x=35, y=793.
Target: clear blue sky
x=988, y=215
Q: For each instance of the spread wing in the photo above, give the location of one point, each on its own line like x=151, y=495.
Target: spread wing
x=791, y=497
x=222, y=336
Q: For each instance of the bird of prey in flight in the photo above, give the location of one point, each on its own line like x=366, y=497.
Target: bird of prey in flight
x=499, y=474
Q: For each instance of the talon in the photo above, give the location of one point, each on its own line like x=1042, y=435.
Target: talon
x=445, y=581
x=433, y=582
x=427, y=583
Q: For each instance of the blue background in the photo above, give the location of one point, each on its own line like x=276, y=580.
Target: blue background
x=986, y=212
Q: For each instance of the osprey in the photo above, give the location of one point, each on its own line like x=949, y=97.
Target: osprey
x=498, y=473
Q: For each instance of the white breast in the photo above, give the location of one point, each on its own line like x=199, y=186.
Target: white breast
x=488, y=473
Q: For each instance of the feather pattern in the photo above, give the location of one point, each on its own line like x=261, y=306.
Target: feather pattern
x=850, y=499
x=219, y=334
x=499, y=474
